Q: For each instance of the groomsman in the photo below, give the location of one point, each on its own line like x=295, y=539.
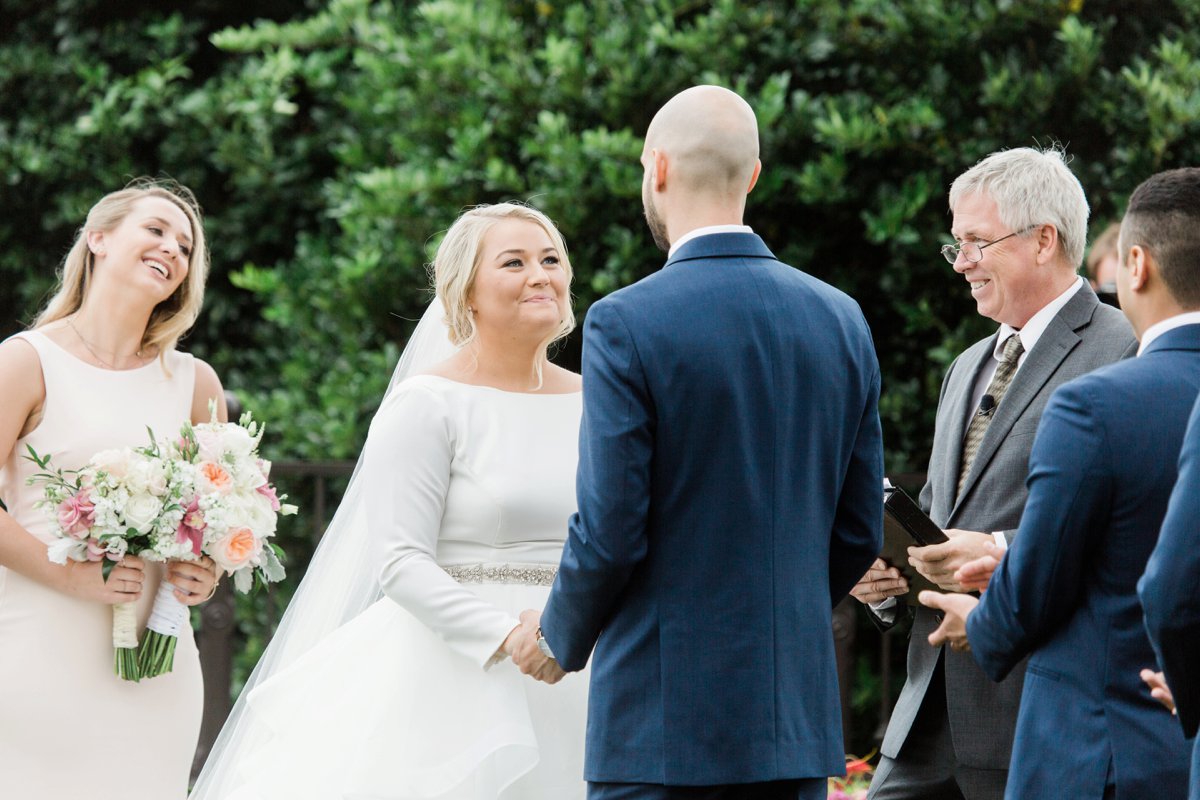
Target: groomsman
x=1020, y=223
x=1100, y=475
x=1170, y=593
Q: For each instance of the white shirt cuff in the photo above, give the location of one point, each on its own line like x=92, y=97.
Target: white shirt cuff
x=885, y=609
x=1001, y=542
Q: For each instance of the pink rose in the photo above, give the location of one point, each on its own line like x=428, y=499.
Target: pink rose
x=268, y=491
x=76, y=515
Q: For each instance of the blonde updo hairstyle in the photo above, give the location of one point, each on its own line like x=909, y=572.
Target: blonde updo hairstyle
x=172, y=317
x=457, y=262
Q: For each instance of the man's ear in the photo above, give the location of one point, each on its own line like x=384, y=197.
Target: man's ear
x=1047, y=239
x=1140, y=264
x=754, y=177
x=659, y=178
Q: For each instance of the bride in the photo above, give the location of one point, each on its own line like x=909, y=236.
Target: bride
x=389, y=676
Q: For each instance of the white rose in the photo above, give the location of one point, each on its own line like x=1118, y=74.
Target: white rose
x=147, y=475
x=240, y=512
x=263, y=515
x=115, y=462
x=249, y=477
x=218, y=440
x=141, y=511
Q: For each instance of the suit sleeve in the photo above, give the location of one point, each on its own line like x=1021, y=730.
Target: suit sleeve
x=1170, y=587
x=406, y=473
x=1039, y=581
x=606, y=539
x=858, y=521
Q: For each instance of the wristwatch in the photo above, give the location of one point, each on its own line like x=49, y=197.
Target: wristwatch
x=542, y=644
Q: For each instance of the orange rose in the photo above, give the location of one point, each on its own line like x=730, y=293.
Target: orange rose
x=235, y=549
x=215, y=478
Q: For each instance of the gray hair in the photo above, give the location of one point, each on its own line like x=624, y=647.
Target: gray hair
x=1032, y=187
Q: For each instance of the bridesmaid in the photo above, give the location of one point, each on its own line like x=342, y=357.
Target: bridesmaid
x=98, y=366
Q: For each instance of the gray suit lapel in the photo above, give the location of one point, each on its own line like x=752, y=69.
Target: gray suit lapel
x=1059, y=339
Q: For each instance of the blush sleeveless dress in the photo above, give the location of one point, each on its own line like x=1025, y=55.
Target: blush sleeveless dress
x=69, y=727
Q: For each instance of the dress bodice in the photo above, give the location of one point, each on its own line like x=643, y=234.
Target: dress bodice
x=459, y=474
x=87, y=410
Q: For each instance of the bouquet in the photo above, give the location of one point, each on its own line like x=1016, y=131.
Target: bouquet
x=206, y=493
x=229, y=512
x=858, y=779
x=122, y=501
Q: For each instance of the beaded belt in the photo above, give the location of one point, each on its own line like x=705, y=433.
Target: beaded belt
x=525, y=574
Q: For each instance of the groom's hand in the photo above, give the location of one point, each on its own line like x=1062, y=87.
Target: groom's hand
x=526, y=654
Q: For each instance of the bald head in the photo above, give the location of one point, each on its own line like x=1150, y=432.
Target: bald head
x=710, y=137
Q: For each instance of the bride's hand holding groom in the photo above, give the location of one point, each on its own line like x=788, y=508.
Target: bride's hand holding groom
x=522, y=646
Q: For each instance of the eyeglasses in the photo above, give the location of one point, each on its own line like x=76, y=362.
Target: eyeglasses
x=973, y=251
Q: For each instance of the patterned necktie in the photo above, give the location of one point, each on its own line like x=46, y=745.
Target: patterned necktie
x=981, y=419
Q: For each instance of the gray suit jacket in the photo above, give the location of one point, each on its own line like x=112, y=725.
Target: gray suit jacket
x=1083, y=335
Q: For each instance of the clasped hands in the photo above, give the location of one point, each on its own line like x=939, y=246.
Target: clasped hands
x=521, y=645
x=964, y=563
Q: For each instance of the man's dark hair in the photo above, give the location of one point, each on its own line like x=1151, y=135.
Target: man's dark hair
x=1164, y=218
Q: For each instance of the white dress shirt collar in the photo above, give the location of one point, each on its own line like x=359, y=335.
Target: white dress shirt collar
x=1170, y=323
x=1037, y=324
x=705, y=231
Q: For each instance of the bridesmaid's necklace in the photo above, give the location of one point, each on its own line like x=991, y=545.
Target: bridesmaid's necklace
x=92, y=350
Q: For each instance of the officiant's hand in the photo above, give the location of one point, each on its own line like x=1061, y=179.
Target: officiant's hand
x=939, y=562
x=880, y=582
x=974, y=576
x=526, y=654
x=955, y=609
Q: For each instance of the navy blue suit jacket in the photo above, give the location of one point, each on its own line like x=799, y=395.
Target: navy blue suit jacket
x=729, y=487
x=1100, y=474
x=1170, y=592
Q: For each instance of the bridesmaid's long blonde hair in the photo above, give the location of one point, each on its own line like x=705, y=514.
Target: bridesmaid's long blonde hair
x=172, y=317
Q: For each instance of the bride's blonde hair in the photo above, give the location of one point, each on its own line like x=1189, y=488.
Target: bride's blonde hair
x=172, y=317
x=457, y=262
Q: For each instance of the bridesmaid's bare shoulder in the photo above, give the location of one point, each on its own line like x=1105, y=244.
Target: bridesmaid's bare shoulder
x=208, y=388
x=24, y=394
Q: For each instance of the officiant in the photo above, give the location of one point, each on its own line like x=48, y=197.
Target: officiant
x=1019, y=228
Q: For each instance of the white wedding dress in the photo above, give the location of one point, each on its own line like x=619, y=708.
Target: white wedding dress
x=466, y=495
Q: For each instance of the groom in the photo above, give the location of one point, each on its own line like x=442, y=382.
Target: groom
x=729, y=488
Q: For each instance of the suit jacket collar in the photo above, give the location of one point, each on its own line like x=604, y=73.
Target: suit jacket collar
x=1059, y=339
x=1185, y=337
x=722, y=245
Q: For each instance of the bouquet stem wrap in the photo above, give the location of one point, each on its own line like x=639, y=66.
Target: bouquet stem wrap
x=125, y=643
x=157, y=653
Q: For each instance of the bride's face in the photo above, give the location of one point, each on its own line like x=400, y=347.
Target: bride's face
x=520, y=286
